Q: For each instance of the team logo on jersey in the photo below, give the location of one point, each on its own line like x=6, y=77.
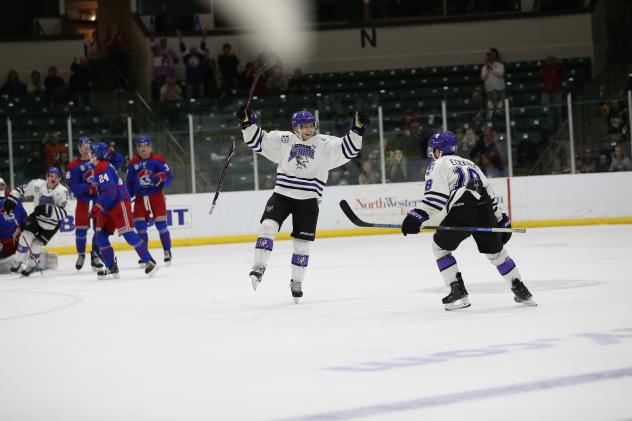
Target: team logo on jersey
x=88, y=176
x=301, y=154
x=136, y=167
x=144, y=178
x=285, y=138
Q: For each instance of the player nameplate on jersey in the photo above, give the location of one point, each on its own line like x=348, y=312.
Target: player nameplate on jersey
x=285, y=138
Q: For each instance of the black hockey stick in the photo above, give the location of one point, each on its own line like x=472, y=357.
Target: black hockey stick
x=359, y=222
x=231, y=151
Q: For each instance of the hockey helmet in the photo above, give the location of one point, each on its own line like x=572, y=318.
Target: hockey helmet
x=83, y=140
x=100, y=150
x=53, y=171
x=445, y=141
x=144, y=140
x=303, y=117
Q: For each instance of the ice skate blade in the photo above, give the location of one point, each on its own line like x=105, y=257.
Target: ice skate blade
x=458, y=304
x=108, y=276
x=530, y=302
x=255, y=282
x=153, y=272
x=296, y=300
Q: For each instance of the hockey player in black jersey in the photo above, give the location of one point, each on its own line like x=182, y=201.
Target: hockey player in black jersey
x=456, y=185
x=304, y=158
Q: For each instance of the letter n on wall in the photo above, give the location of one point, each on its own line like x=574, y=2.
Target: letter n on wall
x=366, y=37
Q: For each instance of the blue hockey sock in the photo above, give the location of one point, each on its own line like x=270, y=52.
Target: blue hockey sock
x=80, y=239
x=134, y=240
x=165, y=237
x=141, y=229
x=105, y=248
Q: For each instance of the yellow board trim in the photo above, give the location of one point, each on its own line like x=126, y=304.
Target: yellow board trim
x=204, y=241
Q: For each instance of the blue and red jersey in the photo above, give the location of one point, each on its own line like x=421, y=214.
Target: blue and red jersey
x=110, y=188
x=19, y=213
x=79, y=179
x=147, y=176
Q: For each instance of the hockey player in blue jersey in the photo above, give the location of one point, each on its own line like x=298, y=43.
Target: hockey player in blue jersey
x=147, y=176
x=112, y=210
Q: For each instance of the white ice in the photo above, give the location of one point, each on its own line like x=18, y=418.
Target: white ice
x=370, y=339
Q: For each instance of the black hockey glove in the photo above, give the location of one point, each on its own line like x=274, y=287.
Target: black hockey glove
x=9, y=203
x=505, y=223
x=40, y=210
x=360, y=123
x=412, y=222
x=245, y=117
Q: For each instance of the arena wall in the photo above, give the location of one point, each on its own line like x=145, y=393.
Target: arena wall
x=535, y=201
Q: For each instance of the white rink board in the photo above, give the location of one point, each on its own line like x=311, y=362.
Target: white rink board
x=533, y=198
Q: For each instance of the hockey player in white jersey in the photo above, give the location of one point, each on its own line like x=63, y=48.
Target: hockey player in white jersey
x=50, y=199
x=457, y=186
x=304, y=158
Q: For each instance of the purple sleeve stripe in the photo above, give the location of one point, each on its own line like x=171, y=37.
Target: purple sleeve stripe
x=349, y=147
x=435, y=193
x=439, y=201
x=344, y=152
x=254, y=136
x=347, y=140
x=300, y=183
x=431, y=205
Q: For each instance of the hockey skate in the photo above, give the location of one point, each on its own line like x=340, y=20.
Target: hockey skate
x=81, y=259
x=16, y=267
x=297, y=292
x=167, y=257
x=28, y=269
x=151, y=268
x=255, y=276
x=108, y=273
x=457, y=298
x=95, y=261
x=521, y=293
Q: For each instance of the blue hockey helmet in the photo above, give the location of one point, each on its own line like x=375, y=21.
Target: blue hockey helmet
x=83, y=140
x=445, y=141
x=303, y=117
x=53, y=171
x=144, y=140
x=99, y=149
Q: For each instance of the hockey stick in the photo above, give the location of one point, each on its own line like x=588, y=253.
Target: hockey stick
x=231, y=151
x=359, y=222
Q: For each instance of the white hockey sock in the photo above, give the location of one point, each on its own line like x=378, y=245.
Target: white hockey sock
x=505, y=265
x=300, y=258
x=446, y=263
x=265, y=242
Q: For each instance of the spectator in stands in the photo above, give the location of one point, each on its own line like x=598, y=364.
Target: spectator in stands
x=487, y=167
x=367, y=174
x=170, y=91
x=620, y=162
x=396, y=167
x=164, y=59
x=62, y=162
x=298, y=82
x=495, y=106
x=616, y=118
x=249, y=75
x=276, y=82
x=493, y=74
x=467, y=143
x=487, y=144
x=81, y=81
x=13, y=87
x=603, y=163
x=53, y=149
x=551, y=76
x=213, y=79
x=35, y=84
x=586, y=163
x=194, y=63
x=91, y=46
x=228, y=62
x=56, y=89
x=337, y=178
x=117, y=54
x=476, y=101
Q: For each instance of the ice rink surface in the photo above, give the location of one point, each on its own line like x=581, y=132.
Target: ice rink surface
x=370, y=339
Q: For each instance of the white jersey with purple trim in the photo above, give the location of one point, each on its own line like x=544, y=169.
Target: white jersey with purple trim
x=446, y=181
x=303, y=166
x=56, y=198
